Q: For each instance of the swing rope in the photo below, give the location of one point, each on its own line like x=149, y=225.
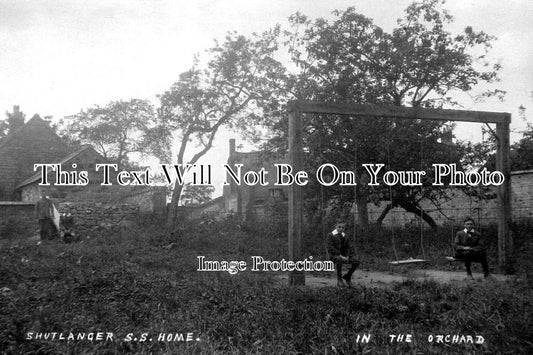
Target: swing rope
x=391, y=207
x=421, y=209
x=410, y=260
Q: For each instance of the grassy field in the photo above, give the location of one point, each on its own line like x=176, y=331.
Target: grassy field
x=136, y=284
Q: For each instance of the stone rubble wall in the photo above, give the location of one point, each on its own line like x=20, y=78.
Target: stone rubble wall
x=91, y=216
x=17, y=219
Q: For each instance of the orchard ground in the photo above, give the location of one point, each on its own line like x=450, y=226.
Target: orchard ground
x=137, y=280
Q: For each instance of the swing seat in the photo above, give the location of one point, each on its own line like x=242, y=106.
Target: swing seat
x=407, y=261
x=452, y=258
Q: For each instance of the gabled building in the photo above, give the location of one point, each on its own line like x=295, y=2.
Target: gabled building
x=83, y=159
x=250, y=200
x=34, y=142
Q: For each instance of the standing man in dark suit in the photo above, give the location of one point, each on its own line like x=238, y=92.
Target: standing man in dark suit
x=44, y=213
x=469, y=247
x=340, y=252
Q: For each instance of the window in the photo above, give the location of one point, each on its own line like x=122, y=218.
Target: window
x=275, y=193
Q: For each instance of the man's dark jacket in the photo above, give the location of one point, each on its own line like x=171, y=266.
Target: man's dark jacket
x=338, y=244
x=468, y=239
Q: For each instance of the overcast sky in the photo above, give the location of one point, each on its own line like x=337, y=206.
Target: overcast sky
x=58, y=57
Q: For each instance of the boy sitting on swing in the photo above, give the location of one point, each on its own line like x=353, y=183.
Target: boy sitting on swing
x=340, y=252
x=469, y=248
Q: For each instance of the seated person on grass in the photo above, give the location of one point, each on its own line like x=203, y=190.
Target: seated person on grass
x=469, y=248
x=340, y=252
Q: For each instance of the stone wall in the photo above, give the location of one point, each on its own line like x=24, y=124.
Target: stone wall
x=17, y=219
x=92, y=207
x=91, y=216
x=151, y=199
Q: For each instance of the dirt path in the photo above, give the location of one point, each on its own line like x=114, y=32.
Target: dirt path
x=366, y=278
x=387, y=279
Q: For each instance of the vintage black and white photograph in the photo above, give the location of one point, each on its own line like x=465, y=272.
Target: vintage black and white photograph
x=266, y=177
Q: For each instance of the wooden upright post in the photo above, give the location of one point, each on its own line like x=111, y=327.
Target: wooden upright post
x=296, y=278
x=505, y=240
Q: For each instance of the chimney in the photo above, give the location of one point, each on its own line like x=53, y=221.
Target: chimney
x=15, y=119
x=447, y=136
x=231, y=147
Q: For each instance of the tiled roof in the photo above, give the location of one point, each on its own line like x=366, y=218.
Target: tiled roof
x=65, y=160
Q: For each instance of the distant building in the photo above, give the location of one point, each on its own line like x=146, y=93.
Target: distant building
x=35, y=142
x=254, y=199
x=83, y=159
x=211, y=209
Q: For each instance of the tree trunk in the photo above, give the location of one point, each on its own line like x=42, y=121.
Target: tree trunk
x=383, y=214
x=411, y=207
x=362, y=201
x=362, y=211
x=172, y=216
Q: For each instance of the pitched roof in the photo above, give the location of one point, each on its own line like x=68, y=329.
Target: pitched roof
x=36, y=120
x=37, y=176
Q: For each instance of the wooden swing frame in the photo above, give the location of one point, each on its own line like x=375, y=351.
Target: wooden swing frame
x=295, y=214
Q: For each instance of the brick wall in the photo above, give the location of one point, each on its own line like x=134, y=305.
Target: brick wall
x=461, y=205
x=522, y=194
